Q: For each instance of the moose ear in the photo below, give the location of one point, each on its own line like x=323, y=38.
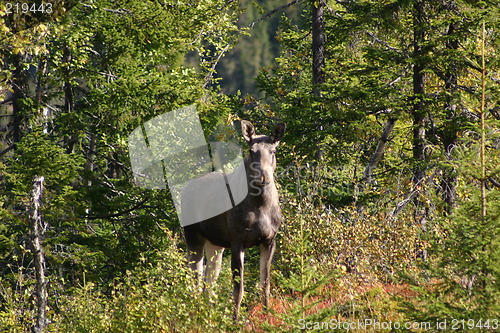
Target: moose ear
x=247, y=130
x=278, y=132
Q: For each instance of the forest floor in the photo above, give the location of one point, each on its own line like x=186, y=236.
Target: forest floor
x=354, y=306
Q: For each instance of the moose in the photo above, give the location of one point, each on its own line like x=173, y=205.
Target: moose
x=254, y=221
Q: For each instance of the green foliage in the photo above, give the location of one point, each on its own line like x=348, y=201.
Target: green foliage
x=154, y=297
x=305, y=279
x=88, y=74
x=16, y=312
x=464, y=272
x=37, y=155
x=101, y=68
x=356, y=237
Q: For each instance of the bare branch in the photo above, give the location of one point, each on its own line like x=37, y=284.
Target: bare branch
x=101, y=73
x=379, y=151
x=396, y=80
x=378, y=40
x=139, y=205
x=410, y=195
x=6, y=150
x=495, y=182
x=270, y=13
x=115, y=11
x=209, y=76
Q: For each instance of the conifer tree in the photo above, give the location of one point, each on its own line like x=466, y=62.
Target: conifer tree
x=464, y=272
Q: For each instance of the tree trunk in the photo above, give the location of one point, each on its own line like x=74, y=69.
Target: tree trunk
x=68, y=98
x=419, y=119
x=418, y=92
x=449, y=139
x=483, y=128
x=19, y=93
x=45, y=113
x=37, y=229
x=318, y=55
x=318, y=46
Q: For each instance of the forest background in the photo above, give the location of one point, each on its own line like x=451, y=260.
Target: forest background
x=389, y=172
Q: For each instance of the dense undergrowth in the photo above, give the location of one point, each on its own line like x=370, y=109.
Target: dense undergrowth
x=314, y=277
x=333, y=267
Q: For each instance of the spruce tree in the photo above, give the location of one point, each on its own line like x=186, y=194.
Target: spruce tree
x=461, y=282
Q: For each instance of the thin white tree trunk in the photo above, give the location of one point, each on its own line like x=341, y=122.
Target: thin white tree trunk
x=37, y=229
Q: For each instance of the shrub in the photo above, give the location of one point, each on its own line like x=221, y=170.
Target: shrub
x=159, y=297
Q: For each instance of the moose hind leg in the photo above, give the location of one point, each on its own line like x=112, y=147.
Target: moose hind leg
x=266, y=256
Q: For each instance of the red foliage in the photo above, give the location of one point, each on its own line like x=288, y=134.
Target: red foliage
x=281, y=304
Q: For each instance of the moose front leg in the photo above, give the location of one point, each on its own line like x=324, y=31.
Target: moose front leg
x=237, y=260
x=214, y=263
x=266, y=256
x=195, y=260
x=195, y=245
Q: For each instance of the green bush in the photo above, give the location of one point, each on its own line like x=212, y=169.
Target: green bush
x=161, y=297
